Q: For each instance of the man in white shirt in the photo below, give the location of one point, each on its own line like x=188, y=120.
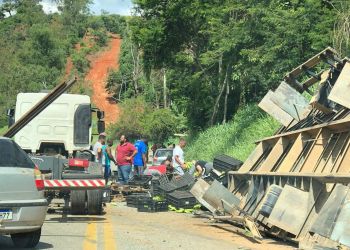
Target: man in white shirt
x=97, y=149
x=179, y=157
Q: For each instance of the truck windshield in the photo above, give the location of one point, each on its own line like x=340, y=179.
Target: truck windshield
x=11, y=155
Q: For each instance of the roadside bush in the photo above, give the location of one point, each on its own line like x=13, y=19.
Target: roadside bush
x=138, y=118
x=100, y=36
x=160, y=124
x=131, y=118
x=80, y=61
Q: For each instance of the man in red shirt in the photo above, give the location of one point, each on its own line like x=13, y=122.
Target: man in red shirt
x=125, y=151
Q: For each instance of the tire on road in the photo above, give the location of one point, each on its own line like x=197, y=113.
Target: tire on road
x=94, y=202
x=26, y=240
x=77, y=202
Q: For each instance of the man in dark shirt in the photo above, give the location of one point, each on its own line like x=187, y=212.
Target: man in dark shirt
x=203, y=168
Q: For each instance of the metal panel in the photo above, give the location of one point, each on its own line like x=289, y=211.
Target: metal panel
x=217, y=192
x=341, y=89
x=316, y=151
x=324, y=223
x=198, y=190
x=293, y=153
x=274, y=155
x=254, y=157
x=291, y=210
x=341, y=231
x=274, y=110
x=290, y=100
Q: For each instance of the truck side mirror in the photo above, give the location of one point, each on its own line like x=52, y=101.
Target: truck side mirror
x=101, y=126
x=11, y=117
x=100, y=114
x=10, y=112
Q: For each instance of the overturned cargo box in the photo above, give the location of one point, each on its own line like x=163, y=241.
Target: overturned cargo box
x=308, y=159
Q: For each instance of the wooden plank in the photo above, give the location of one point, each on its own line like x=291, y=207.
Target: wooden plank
x=274, y=110
x=254, y=157
x=293, y=153
x=341, y=89
x=316, y=150
x=274, y=155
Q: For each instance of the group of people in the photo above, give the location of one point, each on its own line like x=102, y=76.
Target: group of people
x=128, y=157
x=132, y=159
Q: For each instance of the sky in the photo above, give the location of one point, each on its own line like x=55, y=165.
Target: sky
x=121, y=7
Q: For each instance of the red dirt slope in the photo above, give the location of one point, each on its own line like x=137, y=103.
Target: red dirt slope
x=97, y=76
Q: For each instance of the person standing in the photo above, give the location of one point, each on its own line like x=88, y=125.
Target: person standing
x=140, y=159
x=125, y=152
x=97, y=149
x=179, y=157
x=154, y=149
x=108, y=157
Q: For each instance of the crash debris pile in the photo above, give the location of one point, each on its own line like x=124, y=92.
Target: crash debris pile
x=163, y=193
x=222, y=165
x=295, y=184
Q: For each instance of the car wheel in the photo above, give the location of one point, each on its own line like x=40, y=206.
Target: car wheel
x=26, y=240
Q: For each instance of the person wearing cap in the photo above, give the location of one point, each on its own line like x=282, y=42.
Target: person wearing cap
x=97, y=149
x=203, y=168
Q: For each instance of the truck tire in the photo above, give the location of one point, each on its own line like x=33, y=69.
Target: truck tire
x=26, y=240
x=94, y=202
x=77, y=201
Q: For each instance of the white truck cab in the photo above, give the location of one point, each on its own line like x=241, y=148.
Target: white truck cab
x=64, y=127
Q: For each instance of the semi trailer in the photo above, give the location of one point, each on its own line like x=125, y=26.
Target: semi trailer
x=56, y=130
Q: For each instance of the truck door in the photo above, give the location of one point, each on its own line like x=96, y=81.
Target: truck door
x=82, y=124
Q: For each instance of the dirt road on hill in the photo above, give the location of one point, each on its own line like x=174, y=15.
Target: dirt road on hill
x=97, y=76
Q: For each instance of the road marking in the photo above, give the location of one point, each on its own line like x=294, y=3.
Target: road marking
x=90, y=242
x=109, y=237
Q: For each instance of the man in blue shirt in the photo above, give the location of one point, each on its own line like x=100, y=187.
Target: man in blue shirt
x=140, y=159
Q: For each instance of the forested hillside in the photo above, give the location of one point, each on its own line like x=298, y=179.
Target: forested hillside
x=206, y=59
x=34, y=46
x=185, y=65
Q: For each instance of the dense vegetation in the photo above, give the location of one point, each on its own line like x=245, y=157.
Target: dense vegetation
x=236, y=138
x=34, y=46
x=185, y=65
x=205, y=59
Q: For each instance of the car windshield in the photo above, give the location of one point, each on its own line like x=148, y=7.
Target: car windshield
x=164, y=153
x=11, y=155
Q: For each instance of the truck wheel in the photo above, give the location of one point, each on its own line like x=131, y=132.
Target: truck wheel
x=26, y=240
x=94, y=201
x=77, y=201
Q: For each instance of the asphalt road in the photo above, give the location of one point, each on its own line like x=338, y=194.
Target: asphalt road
x=122, y=227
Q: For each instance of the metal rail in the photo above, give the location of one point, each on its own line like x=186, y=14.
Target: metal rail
x=38, y=108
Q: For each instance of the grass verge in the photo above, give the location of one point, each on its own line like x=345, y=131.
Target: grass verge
x=235, y=138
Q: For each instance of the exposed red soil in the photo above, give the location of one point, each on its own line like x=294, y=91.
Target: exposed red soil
x=96, y=77
x=100, y=65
